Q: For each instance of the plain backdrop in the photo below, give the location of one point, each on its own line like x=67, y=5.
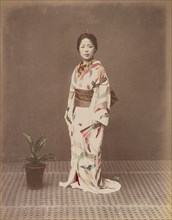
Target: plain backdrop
x=39, y=54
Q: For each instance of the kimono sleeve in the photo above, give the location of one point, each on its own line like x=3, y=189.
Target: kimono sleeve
x=70, y=103
x=102, y=98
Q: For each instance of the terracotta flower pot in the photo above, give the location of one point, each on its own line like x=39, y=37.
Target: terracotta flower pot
x=34, y=175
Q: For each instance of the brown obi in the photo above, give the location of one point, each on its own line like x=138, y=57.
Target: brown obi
x=83, y=97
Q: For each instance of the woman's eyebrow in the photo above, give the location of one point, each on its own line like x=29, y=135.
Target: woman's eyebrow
x=87, y=44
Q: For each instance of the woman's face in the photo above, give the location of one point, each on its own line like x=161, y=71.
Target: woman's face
x=86, y=49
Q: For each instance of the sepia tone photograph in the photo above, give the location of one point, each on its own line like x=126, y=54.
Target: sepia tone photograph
x=85, y=110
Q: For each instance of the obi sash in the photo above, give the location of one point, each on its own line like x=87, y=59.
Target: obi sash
x=83, y=97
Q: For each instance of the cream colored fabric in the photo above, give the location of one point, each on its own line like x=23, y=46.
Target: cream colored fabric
x=86, y=140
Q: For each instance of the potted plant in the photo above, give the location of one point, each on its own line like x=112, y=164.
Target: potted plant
x=36, y=166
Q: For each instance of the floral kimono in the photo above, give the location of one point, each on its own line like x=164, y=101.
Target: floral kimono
x=86, y=139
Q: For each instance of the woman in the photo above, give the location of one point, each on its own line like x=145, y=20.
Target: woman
x=87, y=114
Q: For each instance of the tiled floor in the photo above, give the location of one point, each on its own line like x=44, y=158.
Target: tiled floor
x=145, y=193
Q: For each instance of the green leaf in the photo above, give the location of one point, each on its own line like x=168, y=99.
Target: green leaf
x=39, y=141
x=90, y=71
x=40, y=144
x=28, y=159
x=22, y=158
x=35, y=157
x=48, y=156
x=29, y=141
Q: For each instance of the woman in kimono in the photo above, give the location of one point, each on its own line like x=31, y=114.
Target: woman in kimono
x=86, y=116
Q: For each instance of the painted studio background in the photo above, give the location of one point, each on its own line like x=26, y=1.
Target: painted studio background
x=39, y=54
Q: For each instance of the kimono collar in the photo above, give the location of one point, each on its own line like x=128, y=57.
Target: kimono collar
x=88, y=63
x=82, y=66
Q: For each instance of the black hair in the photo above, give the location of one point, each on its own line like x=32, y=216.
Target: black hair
x=89, y=36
